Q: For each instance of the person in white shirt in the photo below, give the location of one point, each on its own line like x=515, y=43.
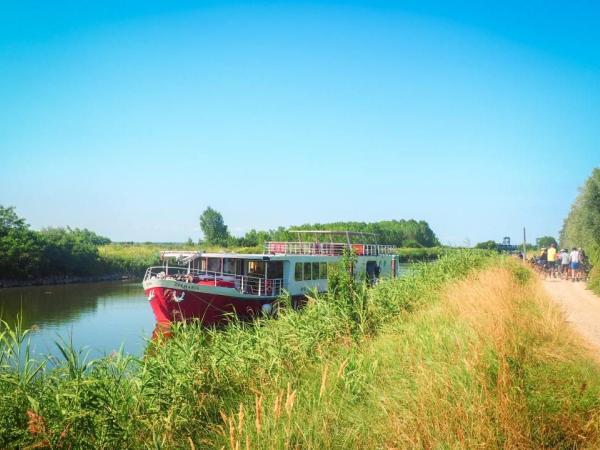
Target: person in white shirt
x=564, y=263
x=574, y=257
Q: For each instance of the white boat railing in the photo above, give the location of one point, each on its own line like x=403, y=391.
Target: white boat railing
x=326, y=248
x=269, y=287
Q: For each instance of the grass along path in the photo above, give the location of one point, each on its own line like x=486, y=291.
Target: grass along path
x=489, y=365
x=581, y=307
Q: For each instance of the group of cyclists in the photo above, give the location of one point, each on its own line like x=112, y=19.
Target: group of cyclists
x=565, y=264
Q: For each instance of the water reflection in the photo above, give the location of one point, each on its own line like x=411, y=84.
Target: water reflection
x=101, y=316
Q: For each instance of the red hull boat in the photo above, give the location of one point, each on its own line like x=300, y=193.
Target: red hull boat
x=211, y=287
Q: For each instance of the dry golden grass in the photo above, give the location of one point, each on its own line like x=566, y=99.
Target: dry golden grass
x=496, y=305
x=481, y=375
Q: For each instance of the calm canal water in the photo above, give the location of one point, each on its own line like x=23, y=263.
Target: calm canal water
x=98, y=316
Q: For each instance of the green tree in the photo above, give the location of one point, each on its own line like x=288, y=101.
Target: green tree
x=546, y=241
x=70, y=251
x=90, y=236
x=401, y=233
x=214, y=228
x=10, y=221
x=20, y=247
x=581, y=228
x=25, y=253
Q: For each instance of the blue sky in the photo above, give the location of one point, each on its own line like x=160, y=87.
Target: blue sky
x=129, y=118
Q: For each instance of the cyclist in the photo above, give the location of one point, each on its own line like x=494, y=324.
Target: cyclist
x=564, y=263
x=551, y=258
x=542, y=260
x=574, y=257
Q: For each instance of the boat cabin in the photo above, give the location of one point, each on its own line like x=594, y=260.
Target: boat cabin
x=209, y=286
x=296, y=266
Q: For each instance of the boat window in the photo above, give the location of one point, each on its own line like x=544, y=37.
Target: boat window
x=315, y=271
x=275, y=269
x=229, y=266
x=323, y=271
x=307, y=271
x=298, y=272
x=256, y=268
x=214, y=264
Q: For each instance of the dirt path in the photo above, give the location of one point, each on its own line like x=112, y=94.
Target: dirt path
x=581, y=306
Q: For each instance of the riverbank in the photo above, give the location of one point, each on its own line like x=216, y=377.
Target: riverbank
x=464, y=351
x=57, y=280
x=114, y=262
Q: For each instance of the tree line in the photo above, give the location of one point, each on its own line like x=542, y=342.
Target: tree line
x=401, y=233
x=26, y=253
x=64, y=251
x=581, y=227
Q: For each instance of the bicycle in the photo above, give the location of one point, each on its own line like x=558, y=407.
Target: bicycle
x=584, y=271
x=551, y=270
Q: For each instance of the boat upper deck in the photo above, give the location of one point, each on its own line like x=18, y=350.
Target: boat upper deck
x=280, y=249
x=328, y=248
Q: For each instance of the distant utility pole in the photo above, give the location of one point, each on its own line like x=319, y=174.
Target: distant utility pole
x=524, y=245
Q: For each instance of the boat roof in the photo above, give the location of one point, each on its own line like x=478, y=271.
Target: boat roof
x=334, y=232
x=187, y=256
x=263, y=256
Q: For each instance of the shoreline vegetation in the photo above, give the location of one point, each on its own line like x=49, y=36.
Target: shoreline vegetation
x=59, y=280
x=66, y=255
x=130, y=260
x=466, y=351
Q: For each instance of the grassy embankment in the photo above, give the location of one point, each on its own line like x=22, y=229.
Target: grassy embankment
x=431, y=360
